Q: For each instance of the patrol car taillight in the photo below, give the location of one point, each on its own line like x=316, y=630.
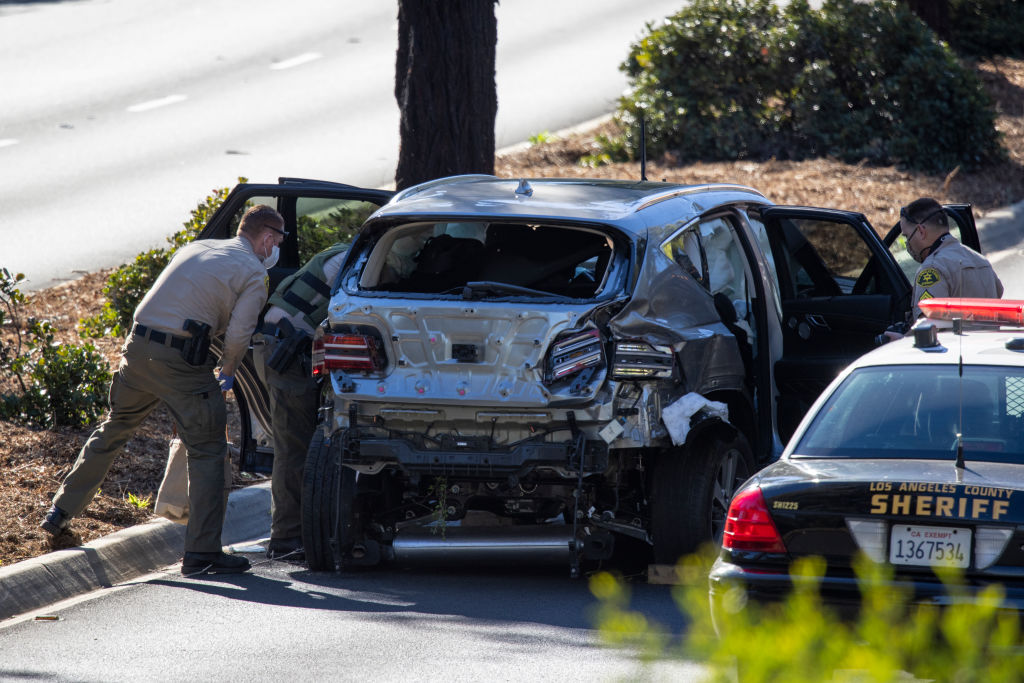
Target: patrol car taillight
x=1006, y=312
x=348, y=352
x=749, y=526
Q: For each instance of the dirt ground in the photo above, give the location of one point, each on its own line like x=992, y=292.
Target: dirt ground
x=33, y=462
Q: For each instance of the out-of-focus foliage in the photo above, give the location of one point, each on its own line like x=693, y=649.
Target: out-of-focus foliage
x=733, y=79
x=316, y=233
x=803, y=640
x=44, y=383
x=986, y=28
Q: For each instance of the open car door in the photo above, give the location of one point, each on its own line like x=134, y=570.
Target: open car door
x=839, y=289
x=961, y=226
x=317, y=214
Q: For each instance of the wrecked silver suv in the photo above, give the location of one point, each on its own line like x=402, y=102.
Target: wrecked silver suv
x=575, y=369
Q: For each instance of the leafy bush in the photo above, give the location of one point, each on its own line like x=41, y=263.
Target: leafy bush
x=612, y=149
x=986, y=28
x=127, y=285
x=316, y=233
x=731, y=79
x=801, y=639
x=45, y=383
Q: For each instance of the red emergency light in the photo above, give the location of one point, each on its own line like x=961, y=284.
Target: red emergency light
x=1002, y=311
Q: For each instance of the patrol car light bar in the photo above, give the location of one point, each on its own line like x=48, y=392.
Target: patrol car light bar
x=1004, y=311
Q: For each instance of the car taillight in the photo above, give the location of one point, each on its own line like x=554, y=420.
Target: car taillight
x=749, y=526
x=575, y=352
x=348, y=352
x=1008, y=312
x=640, y=360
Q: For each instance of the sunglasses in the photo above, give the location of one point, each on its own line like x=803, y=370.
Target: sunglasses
x=279, y=232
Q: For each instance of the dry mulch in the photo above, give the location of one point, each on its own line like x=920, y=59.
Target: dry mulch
x=33, y=463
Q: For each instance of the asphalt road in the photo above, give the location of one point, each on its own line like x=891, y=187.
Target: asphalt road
x=119, y=116
x=285, y=623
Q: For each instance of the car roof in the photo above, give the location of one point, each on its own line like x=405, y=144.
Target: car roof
x=975, y=346
x=561, y=198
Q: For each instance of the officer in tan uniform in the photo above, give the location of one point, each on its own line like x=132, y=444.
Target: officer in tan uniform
x=210, y=287
x=948, y=268
x=282, y=355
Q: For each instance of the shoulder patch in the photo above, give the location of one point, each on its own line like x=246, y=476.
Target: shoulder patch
x=928, y=277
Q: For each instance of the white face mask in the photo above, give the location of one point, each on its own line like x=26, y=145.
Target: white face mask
x=271, y=260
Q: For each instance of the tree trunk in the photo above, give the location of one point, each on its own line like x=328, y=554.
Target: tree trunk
x=935, y=13
x=444, y=84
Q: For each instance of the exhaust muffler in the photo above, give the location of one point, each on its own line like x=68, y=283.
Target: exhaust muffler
x=541, y=544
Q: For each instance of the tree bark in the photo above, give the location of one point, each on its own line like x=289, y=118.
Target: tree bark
x=445, y=87
x=935, y=13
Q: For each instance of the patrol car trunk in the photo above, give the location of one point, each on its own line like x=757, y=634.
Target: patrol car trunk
x=909, y=513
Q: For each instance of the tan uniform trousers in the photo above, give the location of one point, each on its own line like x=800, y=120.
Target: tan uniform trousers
x=149, y=374
x=294, y=399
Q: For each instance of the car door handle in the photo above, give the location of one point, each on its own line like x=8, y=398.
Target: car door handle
x=818, y=320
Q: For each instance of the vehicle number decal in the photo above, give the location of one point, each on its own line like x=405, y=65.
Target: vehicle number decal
x=930, y=546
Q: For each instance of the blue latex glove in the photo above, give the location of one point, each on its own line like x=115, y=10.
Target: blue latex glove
x=226, y=381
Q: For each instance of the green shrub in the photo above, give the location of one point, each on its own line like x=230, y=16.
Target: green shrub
x=127, y=285
x=46, y=383
x=316, y=233
x=986, y=28
x=733, y=79
x=802, y=639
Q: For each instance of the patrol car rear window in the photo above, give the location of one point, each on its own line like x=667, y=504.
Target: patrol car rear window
x=916, y=411
x=439, y=258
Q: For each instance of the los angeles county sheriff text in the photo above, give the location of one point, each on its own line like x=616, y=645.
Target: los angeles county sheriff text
x=927, y=500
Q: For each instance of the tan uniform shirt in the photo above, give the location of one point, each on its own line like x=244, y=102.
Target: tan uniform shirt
x=276, y=313
x=954, y=270
x=219, y=282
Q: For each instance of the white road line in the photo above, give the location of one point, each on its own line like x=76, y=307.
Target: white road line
x=299, y=60
x=155, y=104
x=7, y=142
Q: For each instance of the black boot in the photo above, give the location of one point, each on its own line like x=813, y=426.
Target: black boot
x=214, y=563
x=56, y=521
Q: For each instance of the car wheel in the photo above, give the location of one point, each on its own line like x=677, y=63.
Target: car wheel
x=691, y=492
x=327, y=493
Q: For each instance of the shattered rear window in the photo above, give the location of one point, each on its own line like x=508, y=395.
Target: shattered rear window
x=493, y=259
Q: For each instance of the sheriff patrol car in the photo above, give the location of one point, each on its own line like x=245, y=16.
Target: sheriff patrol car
x=914, y=456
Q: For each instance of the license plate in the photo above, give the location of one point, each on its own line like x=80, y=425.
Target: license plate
x=930, y=546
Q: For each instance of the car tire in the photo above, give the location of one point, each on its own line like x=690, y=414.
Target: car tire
x=327, y=495
x=691, y=492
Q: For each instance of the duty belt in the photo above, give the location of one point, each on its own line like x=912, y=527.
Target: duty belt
x=158, y=337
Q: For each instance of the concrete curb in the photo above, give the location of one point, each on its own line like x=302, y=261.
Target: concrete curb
x=122, y=556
